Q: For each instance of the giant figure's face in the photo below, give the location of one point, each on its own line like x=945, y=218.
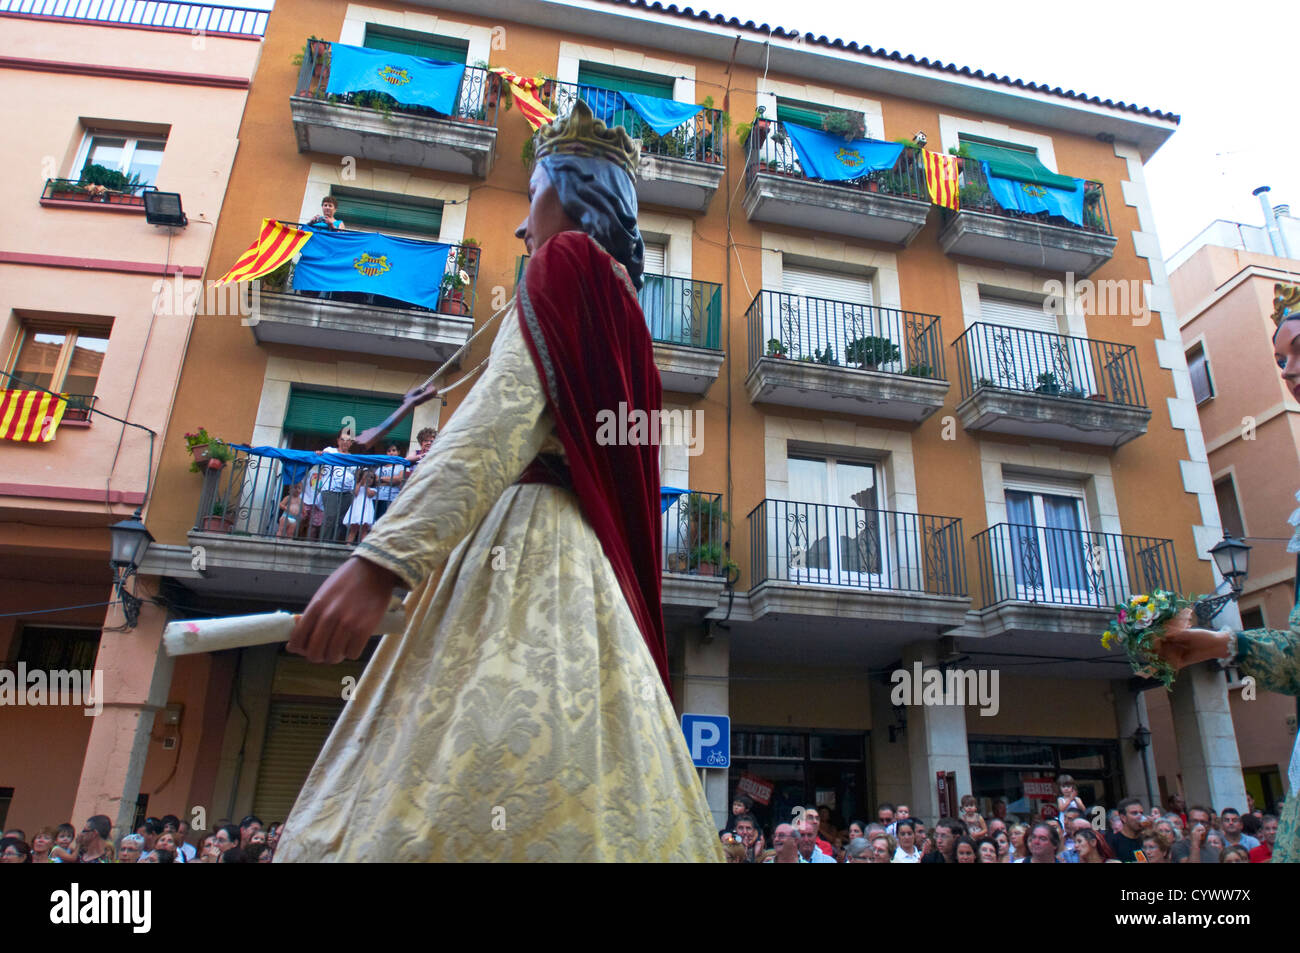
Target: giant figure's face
x=546, y=216
x=1286, y=350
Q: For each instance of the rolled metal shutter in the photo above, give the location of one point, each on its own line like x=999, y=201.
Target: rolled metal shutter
x=295, y=734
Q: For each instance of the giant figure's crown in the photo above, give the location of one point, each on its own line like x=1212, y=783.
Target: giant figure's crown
x=1286, y=302
x=582, y=134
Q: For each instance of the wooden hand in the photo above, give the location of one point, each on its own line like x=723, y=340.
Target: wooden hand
x=366, y=442
x=346, y=611
x=1181, y=645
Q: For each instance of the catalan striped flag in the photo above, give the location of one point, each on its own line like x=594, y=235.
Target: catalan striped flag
x=31, y=416
x=525, y=92
x=941, y=179
x=276, y=244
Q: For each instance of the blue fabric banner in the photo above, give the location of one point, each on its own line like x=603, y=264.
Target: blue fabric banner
x=371, y=263
x=668, y=495
x=832, y=158
x=412, y=80
x=298, y=462
x=1029, y=198
x=661, y=115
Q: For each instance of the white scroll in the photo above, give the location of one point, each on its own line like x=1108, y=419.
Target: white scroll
x=188, y=636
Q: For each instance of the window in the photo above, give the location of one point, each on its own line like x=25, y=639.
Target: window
x=51, y=648
x=66, y=360
x=812, y=114
x=1225, y=493
x=1008, y=160
x=1051, y=552
x=444, y=49
x=120, y=152
x=824, y=311
x=1199, y=367
x=625, y=81
x=1252, y=618
x=401, y=217
x=839, y=542
x=314, y=418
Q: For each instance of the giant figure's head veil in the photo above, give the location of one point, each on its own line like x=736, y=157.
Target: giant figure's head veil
x=601, y=197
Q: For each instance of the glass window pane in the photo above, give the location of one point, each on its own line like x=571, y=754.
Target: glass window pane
x=837, y=747
x=145, y=161
x=106, y=152
x=39, y=357
x=87, y=359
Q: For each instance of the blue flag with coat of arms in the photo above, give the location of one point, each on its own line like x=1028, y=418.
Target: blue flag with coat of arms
x=832, y=158
x=401, y=268
x=412, y=80
x=1030, y=198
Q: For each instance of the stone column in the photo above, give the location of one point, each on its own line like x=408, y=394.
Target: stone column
x=137, y=675
x=706, y=668
x=936, y=741
x=1207, y=742
x=1140, y=779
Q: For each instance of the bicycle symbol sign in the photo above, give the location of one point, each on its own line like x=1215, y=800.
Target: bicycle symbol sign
x=709, y=738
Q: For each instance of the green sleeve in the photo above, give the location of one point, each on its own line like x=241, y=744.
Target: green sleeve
x=1272, y=657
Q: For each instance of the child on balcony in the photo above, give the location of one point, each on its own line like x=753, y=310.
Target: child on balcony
x=361, y=514
x=292, y=511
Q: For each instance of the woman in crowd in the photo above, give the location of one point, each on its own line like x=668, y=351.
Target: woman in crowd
x=988, y=852
x=964, y=851
x=1002, y=841
x=1236, y=854
x=883, y=848
x=908, y=852
x=41, y=845
x=15, y=851
x=1091, y=848
x=1018, y=833
x=1156, y=847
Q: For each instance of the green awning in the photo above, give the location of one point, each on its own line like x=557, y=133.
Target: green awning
x=325, y=414
x=643, y=84
x=1016, y=162
x=801, y=115
x=442, y=49
x=366, y=213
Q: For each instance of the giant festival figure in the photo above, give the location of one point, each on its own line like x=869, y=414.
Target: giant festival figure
x=524, y=712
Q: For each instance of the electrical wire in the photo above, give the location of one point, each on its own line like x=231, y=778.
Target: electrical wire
x=88, y=605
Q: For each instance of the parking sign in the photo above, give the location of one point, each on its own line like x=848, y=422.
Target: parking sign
x=709, y=738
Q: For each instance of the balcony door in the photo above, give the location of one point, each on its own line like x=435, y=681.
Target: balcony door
x=654, y=291
x=833, y=523
x=823, y=310
x=1050, y=549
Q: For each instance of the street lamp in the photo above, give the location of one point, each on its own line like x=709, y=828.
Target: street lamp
x=1232, y=557
x=130, y=541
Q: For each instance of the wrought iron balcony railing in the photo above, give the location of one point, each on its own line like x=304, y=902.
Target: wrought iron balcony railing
x=74, y=190
x=702, y=138
x=80, y=407
x=1054, y=365
x=677, y=310
x=975, y=194
x=1025, y=563
x=476, y=102
x=197, y=18
x=822, y=331
x=769, y=150
x=453, y=298
x=818, y=544
x=693, y=535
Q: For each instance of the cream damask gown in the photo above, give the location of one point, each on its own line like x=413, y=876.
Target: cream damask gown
x=519, y=717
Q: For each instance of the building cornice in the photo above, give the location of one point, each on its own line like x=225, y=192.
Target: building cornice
x=1227, y=287
x=124, y=72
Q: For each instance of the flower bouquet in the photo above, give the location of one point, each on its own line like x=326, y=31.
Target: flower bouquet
x=1139, y=625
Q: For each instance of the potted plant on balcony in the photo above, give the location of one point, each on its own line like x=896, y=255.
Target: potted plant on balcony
x=870, y=352
x=278, y=280
x=975, y=195
x=679, y=560
x=983, y=382
x=850, y=125
x=919, y=370
x=1048, y=384
x=467, y=258
x=196, y=444
x=103, y=184
x=707, y=557
x=496, y=90
x=453, y=293
x=775, y=348
x=218, y=522
x=826, y=357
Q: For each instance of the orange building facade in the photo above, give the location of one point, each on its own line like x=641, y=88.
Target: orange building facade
x=923, y=436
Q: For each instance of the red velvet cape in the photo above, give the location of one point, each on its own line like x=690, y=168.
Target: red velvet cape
x=592, y=350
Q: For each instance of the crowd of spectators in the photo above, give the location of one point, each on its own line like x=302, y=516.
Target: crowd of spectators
x=1066, y=832
x=165, y=840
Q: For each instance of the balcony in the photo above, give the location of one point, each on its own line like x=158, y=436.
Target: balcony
x=75, y=193
x=366, y=323
x=850, y=358
x=889, y=207
x=1050, y=386
x=901, y=572
x=247, y=552
x=685, y=321
x=984, y=229
x=694, y=572
x=374, y=127
x=680, y=169
x=1040, y=582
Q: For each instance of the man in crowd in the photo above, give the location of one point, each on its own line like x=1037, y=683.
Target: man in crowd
x=747, y=831
x=946, y=833
x=93, y=840
x=149, y=830
x=1267, y=835
x=1043, y=843
x=808, y=849
x=1126, y=843
x=227, y=838
x=247, y=828
x=814, y=815
x=885, y=814
x=1233, y=836
x=1197, y=816
x=786, y=844
x=171, y=824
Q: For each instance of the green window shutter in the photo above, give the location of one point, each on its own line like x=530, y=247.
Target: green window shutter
x=801, y=114
x=1007, y=161
x=441, y=48
x=641, y=84
x=323, y=414
x=367, y=213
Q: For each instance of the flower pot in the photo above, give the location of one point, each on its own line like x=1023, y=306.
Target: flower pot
x=678, y=562
x=200, y=451
x=1100, y=397
x=469, y=255
x=873, y=185
x=217, y=524
x=215, y=464
x=707, y=569
x=454, y=303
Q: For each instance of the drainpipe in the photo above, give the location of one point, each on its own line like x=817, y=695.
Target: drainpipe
x=1275, y=236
